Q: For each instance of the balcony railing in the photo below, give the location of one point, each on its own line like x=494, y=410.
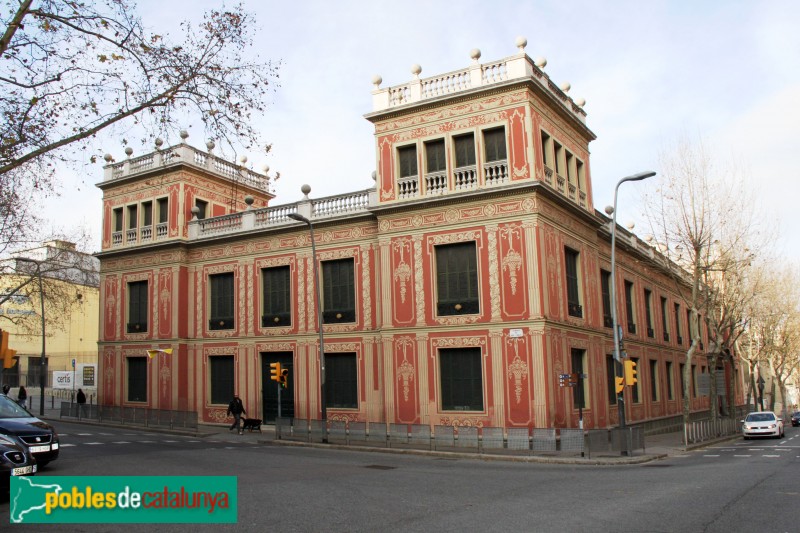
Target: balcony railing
x=435, y=183
x=465, y=178
x=408, y=187
x=496, y=172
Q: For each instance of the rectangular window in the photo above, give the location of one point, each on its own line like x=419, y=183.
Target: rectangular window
x=465, y=150
x=631, y=317
x=611, y=366
x=147, y=214
x=581, y=173
x=689, y=326
x=694, y=381
x=338, y=291
x=635, y=388
x=132, y=221
x=407, y=158
x=654, y=392
x=494, y=141
x=137, y=307
x=670, y=382
x=276, y=283
x=678, y=324
x=341, y=381
x=547, y=156
x=137, y=379
x=435, y=157
x=461, y=379
x=579, y=393
x=222, y=380
x=570, y=166
x=574, y=307
x=664, y=318
x=457, y=279
x=683, y=381
x=202, y=205
x=558, y=155
x=605, y=287
x=221, y=302
x=163, y=210
x=118, y=219
x=648, y=312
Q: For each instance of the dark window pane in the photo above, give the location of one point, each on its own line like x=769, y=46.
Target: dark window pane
x=605, y=287
x=654, y=380
x=629, y=307
x=611, y=374
x=277, y=297
x=163, y=210
x=221, y=315
x=579, y=390
x=457, y=279
x=461, y=379
x=222, y=382
x=573, y=295
x=434, y=155
x=341, y=381
x=118, y=219
x=338, y=291
x=137, y=307
x=202, y=205
x=137, y=379
x=495, y=144
x=147, y=213
x=465, y=150
x=407, y=156
x=132, y=213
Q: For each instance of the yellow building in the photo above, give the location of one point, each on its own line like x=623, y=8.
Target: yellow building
x=69, y=280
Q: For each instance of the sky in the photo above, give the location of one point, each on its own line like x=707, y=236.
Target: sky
x=652, y=73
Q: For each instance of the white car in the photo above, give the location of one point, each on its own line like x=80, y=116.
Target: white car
x=762, y=424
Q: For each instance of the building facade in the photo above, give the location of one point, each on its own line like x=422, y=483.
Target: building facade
x=453, y=293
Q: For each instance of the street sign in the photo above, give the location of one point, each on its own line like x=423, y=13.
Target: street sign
x=515, y=333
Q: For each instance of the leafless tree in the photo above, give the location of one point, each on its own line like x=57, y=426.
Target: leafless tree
x=703, y=218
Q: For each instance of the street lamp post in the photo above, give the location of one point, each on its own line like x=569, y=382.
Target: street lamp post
x=617, y=357
x=300, y=218
x=43, y=359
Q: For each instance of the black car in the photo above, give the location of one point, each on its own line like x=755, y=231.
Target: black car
x=40, y=437
x=796, y=418
x=15, y=460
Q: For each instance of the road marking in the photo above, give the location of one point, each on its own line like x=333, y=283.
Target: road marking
x=85, y=434
x=709, y=455
x=106, y=434
x=770, y=455
x=93, y=443
x=743, y=455
x=146, y=442
x=170, y=441
x=122, y=442
x=66, y=445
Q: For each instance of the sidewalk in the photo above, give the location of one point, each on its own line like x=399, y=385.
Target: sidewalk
x=656, y=446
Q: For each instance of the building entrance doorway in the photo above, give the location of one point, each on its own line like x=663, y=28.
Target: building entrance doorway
x=269, y=388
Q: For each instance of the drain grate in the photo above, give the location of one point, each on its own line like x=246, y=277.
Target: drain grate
x=380, y=467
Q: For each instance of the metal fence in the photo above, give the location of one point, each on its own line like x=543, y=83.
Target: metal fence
x=139, y=416
x=485, y=440
x=704, y=430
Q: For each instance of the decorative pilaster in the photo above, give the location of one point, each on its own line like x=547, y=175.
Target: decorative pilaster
x=419, y=282
x=426, y=364
x=540, y=415
x=388, y=379
x=495, y=358
x=366, y=289
x=532, y=254
x=384, y=281
x=494, y=274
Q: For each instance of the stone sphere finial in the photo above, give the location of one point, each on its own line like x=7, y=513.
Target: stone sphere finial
x=210, y=145
x=566, y=86
x=108, y=158
x=540, y=62
x=377, y=80
x=580, y=102
x=195, y=212
x=374, y=176
x=416, y=69
x=521, y=43
x=184, y=134
x=265, y=169
x=475, y=54
x=128, y=151
x=630, y=225
x=305, y=189
x=158, y=142
x=609, y=210
x=249, y=201
x=243, y=159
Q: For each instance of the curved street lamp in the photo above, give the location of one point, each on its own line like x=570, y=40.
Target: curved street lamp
x=300, y=218
x=618, y=366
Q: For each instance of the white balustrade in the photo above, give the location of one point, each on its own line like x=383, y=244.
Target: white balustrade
x=435, y=183
x=130, y=235
x=465, y=178
x=408, y=187
x=274, y=215
x=146, y=233
x=116, y=238
x=161, y=230
x=494, y=72
x=451, y=82
x=496, y=172
x=341, y=204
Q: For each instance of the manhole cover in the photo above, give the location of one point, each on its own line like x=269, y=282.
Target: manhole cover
x=380, y=467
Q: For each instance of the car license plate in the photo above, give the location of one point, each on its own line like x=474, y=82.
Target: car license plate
x=39, y=449
x=23, y=470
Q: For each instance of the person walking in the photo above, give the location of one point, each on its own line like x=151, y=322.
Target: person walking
x=236, y=408
x=81, y=399
x=22, y=398
x=6, y=388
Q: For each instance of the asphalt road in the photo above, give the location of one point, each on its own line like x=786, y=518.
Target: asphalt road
x=741, y=486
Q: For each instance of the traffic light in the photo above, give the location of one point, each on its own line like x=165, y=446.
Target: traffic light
x=620, y=384
x=6, y=353
x=630, y=372
x=284, y=377
x=275, y=372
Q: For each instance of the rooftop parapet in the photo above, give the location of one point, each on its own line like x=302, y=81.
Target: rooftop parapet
x=188, y=155
x=476, y=76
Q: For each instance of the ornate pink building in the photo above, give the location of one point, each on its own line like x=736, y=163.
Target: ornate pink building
x=455, y=292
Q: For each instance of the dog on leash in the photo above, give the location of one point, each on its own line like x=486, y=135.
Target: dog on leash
x=252, y=424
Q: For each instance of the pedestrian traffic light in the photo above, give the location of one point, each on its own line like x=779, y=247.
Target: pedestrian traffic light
x=620, y=384
x=275, y=372
x=284, y=377
x=6, y=353
x=630, y=372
